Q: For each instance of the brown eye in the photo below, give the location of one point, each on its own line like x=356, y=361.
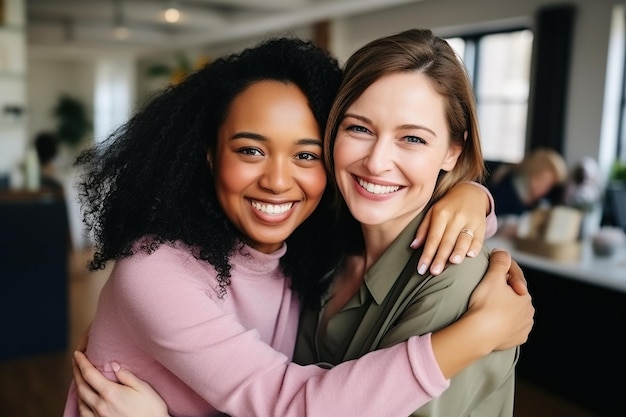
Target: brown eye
x=250, y=151
x=306, y=156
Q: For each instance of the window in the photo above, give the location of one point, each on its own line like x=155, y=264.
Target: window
x=620, y=150
x=613, y=129
x=499, y=67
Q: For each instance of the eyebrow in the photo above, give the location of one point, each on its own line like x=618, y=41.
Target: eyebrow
x=261, y=138
x=405, y=126
x=249, y=135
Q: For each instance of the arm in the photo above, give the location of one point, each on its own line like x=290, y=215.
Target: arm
x=441, y=231
x=182, y=329
x=483, y=328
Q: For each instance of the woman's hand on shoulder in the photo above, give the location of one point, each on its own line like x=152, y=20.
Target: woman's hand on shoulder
x=101, y=397
x=454, y=227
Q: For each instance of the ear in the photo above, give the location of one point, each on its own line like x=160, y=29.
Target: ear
x=454, y=151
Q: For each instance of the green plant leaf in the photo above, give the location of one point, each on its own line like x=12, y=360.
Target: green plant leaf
x=618, y=172
x=158, y=70
x=72, y=121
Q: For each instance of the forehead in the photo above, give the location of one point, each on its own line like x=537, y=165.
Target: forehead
x=404, y=97
x=268, y=92
x=271, y=108
x=409, y=85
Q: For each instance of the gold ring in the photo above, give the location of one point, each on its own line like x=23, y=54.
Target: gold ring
x=468, y=232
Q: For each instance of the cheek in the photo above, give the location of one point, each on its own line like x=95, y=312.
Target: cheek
x=231, y=177
x=342, y=153
x=421, y=170
x=314, y=183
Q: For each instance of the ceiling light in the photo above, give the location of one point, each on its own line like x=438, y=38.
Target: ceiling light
x=171, y=14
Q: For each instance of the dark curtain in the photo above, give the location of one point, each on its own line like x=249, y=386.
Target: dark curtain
x=554, y=27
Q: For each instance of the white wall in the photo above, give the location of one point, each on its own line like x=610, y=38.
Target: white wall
x=47, y=80
x=12, y=88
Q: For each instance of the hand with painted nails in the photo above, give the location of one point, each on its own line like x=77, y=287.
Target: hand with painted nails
x=453, y=229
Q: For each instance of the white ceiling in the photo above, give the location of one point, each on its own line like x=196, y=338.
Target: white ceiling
x=87, y=26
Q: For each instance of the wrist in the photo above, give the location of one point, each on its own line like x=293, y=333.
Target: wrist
x=469, y=332
x=480, y=337
x=488, y=198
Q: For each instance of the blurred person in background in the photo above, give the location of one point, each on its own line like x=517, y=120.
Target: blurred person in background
x=47, y=147
x=522, y=187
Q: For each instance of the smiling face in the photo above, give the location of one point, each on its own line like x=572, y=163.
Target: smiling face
x=390, y=146
x=268, y=169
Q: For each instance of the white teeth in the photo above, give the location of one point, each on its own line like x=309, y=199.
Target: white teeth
x=376, y=188
x=272, y=208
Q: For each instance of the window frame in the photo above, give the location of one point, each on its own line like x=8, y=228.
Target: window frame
x=471, y=53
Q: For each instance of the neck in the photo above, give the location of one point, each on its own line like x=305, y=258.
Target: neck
x=377, y=238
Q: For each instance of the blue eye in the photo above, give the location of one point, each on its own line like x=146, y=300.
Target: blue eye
x=358, y=128
x=414, y=139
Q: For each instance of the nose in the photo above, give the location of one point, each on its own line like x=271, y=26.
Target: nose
x=379, y=156
x=277, y=176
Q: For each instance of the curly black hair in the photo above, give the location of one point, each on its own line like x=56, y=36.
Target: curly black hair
x=150, y=182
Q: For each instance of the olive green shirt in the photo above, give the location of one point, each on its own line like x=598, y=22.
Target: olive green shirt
x=423, y=304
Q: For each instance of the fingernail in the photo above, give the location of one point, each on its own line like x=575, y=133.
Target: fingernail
x=436, y=269
x=456, y=259
x=116, y=366
x=422, y=269
x=75, y=354
x=413, y=244
x=471, y=254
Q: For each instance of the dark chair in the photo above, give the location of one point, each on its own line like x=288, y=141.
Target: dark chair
x=34, y=250
x=616, y=201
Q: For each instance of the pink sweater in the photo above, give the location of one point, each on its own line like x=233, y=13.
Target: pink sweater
x=159, y=316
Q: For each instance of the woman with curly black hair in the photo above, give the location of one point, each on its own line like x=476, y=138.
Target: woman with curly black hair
x=197, y=199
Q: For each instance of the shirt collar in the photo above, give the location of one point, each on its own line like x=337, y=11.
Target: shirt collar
x=381, y=276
